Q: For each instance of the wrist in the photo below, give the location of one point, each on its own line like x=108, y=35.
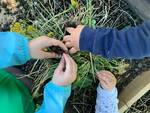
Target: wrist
x=80, y=33
x=63, y=90
x=58, y=85
x=61, y=84
x=107, y=89
x=107, y=92
x=22, y=50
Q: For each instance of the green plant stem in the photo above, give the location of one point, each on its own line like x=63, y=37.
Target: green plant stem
x=91, y=59
x=65, y=11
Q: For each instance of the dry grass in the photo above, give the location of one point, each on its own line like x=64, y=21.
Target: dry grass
x=50, y=19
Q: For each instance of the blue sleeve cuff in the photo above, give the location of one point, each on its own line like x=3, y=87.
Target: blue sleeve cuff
x=22, y=49
x=106, y=101
x=55, y=98
x=105, y=93
x=14, y=49
x=56, y=88
x=86, y=39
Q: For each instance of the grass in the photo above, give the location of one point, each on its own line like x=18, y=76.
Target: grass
x=51, y=18
x=141, y=106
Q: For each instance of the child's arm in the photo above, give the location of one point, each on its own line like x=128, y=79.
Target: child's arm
x=55, y=98
x=106, y=101
x=15, y=49
x=56, y=93
x=132, y=42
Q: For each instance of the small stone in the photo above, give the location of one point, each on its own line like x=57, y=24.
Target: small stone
x=140, y=65
x=136, y=69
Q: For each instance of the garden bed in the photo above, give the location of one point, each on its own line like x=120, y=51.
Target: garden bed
x=51, y=19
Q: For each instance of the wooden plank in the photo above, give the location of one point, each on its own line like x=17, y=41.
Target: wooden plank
x=141, y=7
x=134, y=91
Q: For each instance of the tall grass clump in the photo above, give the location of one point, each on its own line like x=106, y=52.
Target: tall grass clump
x=51, y=17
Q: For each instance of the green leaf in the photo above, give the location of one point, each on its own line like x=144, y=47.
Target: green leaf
x=74, y=3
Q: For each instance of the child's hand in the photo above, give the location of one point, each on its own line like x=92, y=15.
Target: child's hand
x=66, y=71
x=72, y=40
x=107, y=80
x=37, y=46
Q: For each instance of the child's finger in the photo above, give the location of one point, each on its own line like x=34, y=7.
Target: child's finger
x=70, y=29
x=108, y=74
x=101, y=75
x=43, y=55
x=107, y=84
x=68, y=62
x=46, y=42
x=74, y=66
x=67, y=38
x=73, y=50
x=103, y=84
x=105, y=78
x=111, y=77
x=61, y=65
x=68, y=44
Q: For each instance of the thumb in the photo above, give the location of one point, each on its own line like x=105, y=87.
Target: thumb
x=70, y=29
x=61, y=65
x=68, y=63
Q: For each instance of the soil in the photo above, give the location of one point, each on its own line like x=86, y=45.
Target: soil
x=56, y=49
x=85, y=101
x=135, y=69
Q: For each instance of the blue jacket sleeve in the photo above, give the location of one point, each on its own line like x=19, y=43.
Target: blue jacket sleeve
x=14, y=49
x=106, y=101
x=133, y=42
x=55, y=98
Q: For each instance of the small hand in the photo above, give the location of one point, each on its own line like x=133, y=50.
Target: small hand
x=38, y=45
x=72, y=40
x=107, y=80
x=66, y=71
